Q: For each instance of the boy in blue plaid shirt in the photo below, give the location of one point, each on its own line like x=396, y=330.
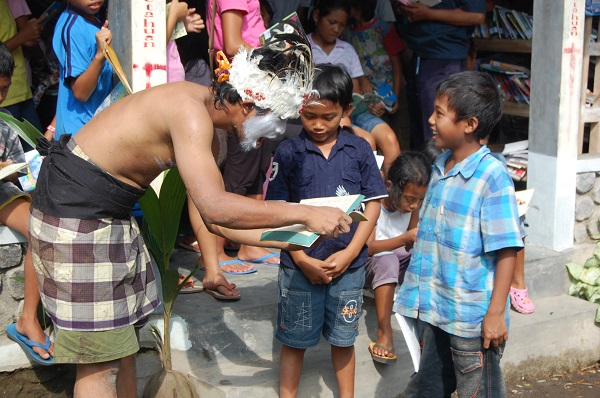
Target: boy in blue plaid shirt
x=460, y=272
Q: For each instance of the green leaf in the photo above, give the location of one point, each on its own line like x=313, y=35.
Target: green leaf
x=172, y=197
x=24, y=129
x=170, y=281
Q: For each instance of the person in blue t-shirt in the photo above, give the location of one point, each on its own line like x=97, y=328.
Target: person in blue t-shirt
x=439, y=39
x=85, y=76
x=322, y=286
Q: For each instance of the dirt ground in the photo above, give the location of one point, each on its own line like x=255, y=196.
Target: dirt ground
x=57, y=382
x=583, y=383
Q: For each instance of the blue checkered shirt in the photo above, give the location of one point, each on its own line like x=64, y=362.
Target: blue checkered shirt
x=467, y=216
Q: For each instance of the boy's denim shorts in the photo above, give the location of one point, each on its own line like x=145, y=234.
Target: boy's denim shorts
x=307, y=310
x=367, y=121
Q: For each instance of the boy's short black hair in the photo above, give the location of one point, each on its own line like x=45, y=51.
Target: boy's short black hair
x=473, y=94
x=333, y=83
x=7, y=62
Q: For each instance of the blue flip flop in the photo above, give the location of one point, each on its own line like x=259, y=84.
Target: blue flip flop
x=26, y=345
x=236, y=261
x=262, y=260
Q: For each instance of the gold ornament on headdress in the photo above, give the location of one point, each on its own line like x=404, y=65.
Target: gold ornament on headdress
x=222, y=72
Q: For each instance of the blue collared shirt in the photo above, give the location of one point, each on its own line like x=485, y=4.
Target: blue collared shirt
x=301, y=172
x=467, y=216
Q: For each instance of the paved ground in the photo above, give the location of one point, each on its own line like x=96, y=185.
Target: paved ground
x=57, y=382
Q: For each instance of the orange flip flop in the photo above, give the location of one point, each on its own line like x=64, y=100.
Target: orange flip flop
x=391, y=357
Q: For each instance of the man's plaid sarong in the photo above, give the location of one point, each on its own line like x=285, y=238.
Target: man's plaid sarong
x=92, y=274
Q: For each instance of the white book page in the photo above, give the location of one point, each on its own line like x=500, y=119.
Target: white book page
x=409, y=330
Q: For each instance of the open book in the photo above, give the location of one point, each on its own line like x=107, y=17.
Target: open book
x=384, y=94
x=299, y=235
x=11, y=169
x=111, y=57
x=524, y=200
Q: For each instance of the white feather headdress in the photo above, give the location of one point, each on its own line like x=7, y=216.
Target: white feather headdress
x=282, y=91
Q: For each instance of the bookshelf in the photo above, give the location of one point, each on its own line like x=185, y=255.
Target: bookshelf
x=494, y=45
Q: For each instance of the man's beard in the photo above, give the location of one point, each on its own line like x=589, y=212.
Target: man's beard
x=263, y=126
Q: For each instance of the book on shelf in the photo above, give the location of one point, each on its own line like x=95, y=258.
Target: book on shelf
x=503, y=23
x=515, y=147
x=517, y=174
x=513, y=80
x=298, y=234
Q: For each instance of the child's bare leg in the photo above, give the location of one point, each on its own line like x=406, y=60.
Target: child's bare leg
x=16, y=216
x=290, y=370
x=518, y=281
x=384, y=301
x=247, y=252
x=127, y=377
x=387, y=143
x=209, y=244
x=97, y=380
x=344, y=364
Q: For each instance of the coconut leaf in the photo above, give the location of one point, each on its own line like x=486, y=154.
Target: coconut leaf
x=23, y=128
x=172, y=197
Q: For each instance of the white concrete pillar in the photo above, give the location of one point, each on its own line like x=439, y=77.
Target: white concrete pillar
x=556, y=70
x=139, y=39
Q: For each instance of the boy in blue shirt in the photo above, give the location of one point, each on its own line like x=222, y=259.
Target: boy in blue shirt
x=461, y=269
x=320, y=289
x=85, y=76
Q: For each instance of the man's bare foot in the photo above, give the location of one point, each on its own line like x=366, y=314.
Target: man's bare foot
x=249, y=253
x=220, y=284
x=33, y=331
x=233, y=265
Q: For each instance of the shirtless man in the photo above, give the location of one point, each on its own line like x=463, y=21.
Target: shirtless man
x=94, y=275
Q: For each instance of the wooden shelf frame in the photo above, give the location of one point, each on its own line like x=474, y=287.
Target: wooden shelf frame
x=503, y=45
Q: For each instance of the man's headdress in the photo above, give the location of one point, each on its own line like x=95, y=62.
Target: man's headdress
x=281, y=84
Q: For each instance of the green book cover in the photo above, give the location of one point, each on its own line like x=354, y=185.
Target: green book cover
x=299, y=235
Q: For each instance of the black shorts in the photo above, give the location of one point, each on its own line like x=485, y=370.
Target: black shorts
x=244, y=173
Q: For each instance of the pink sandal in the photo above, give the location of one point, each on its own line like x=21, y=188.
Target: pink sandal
x=519, y=299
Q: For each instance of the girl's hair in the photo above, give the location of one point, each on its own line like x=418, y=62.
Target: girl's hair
x=7, y=62
x=411, y=167
x=333, y=83
x=326, y=7
x=431, y=151
x=366, y=8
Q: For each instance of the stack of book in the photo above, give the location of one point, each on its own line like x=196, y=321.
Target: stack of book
x=513, y=80
x=502, y=23
x=516, y=154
